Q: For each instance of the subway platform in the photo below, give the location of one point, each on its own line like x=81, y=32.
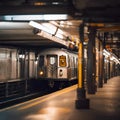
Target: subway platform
x=60, y=105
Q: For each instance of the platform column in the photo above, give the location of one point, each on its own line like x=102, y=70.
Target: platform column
x=104, y=59
x=105, y=70
x=91, y=64
x=113, y=74
x=101, y=61
x=108, y=69
x=81, y=102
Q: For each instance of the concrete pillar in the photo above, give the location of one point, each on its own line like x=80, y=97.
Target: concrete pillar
x=105, y=70
x=104, y=59
x=91, y=64
x=101, y=66
x=108, y=69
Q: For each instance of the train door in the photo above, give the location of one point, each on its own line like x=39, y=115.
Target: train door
x=52, y=66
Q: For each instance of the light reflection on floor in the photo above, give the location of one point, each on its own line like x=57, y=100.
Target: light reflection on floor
x=49, y=113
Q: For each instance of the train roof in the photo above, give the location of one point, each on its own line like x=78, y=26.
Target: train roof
x=57, y=50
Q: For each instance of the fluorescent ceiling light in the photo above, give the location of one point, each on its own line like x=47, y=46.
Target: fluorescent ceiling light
x=14, y=25
x=60, y=36
x=106, y=52
x=41, y=27
x=53, y=38
x=112, y=57
x=35, y=17
x=55, y=3
x=49, y=28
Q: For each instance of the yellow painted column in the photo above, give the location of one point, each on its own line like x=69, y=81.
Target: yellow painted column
x=80, y=77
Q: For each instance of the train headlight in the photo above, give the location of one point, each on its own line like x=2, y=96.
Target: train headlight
x=61, y=73
x=41, y=73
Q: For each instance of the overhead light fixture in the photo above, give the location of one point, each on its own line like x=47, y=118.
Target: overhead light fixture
x=53, y=38
x=111, y=55
x=49, y=33
x=106, y=53
x=34, y=17
x=60, y=36
x=55, y=3
x=49, y=28
x=43, y=27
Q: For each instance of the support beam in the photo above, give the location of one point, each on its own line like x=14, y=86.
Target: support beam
x=91, y=64
x=101, y=66
x=81, y=102
x=105, y=70
x=108, y=69
x=104, y=59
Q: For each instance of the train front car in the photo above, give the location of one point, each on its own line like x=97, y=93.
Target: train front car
x=55, y=66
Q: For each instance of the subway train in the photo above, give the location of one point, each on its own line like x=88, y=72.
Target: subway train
x=16, y=64
x=35, y=70
x=17, y=69
x=57, y=66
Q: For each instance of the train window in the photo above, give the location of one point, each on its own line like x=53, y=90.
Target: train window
x=76, y=62
x=68, y=61
x=52, y=60
x=73, y=61
x=62, y=61
x=41, y=60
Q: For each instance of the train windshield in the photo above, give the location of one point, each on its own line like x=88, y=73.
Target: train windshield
x=41, y=60
x=52, y=60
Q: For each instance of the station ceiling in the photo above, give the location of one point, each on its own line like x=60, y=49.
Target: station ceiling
x=102, y=14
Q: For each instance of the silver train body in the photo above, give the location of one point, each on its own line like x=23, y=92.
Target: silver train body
x=54, y=65
x=15, y=65
x=57, y=65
